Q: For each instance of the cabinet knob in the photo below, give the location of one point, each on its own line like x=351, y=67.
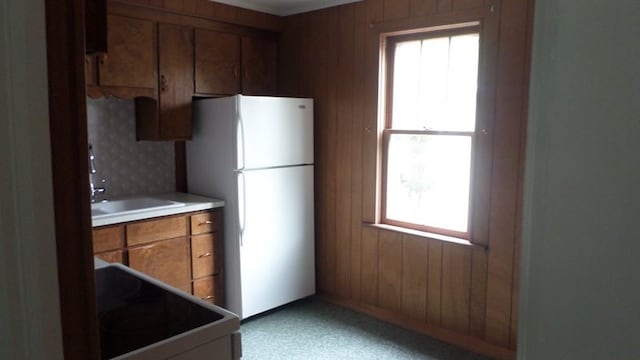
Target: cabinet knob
x=207, y=254
x=208, y=222
x=207, y=297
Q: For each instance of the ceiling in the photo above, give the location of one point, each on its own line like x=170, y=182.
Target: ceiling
x=284, y=7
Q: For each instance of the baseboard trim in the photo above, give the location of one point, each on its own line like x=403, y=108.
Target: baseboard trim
x=462, y=340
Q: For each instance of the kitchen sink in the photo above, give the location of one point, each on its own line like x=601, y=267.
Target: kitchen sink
x=129, y=206
x=142, y=318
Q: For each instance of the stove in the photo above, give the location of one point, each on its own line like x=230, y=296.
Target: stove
x=142, y=318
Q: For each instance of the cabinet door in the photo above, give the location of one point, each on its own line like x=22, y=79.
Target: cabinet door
x=259, y=66
x=130, y=60
x=167, y=261
x=206, y=222
x=154, y=230
x=209, y=289
x=116, y=256
x=89, y=70
x=95, y=22
x=204, y=255
x=217, y=62
x=108, y=238
x=175, y=59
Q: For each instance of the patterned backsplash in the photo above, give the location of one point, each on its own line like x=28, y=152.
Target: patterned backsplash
x=129, y=167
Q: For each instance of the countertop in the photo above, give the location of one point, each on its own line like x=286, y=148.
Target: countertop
x=191, y=203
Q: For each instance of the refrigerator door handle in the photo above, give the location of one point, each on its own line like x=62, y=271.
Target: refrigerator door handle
x=242, y=212
x=240, y=142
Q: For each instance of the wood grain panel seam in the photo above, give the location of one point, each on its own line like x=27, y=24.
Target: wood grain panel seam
x=402, y=272
x=426, y=287
x=471, y=293
x=377, y=272
x=485, y=275
x=441, y=280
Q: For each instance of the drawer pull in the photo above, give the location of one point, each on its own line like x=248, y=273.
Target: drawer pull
x=207, y=254
x=207, y=297
x=208, y=222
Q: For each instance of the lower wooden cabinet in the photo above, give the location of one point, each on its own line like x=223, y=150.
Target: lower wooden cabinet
x=108, y=238
x=209, y=289
x=167, y=261
x=204, y=257
x=115, y=256
x=184, y=251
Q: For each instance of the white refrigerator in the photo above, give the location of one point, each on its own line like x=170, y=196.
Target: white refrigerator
x=256, y=153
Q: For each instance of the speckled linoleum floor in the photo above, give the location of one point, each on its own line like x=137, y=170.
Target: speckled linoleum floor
x=313, y=329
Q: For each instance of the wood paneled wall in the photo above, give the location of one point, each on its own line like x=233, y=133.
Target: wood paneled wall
x=458, y=293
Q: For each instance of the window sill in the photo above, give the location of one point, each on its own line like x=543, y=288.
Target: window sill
x=424, y=234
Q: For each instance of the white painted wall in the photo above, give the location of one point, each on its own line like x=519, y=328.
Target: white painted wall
x=29, y=305
x=581, y=231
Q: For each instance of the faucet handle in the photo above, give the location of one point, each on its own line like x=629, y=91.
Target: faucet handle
x=95, y=191
x=102, y=189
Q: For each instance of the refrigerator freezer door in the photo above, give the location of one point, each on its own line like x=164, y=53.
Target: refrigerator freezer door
x=276, y=237
x=274, y=131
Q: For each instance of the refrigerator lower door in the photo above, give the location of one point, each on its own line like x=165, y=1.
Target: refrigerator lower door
x=276, y=237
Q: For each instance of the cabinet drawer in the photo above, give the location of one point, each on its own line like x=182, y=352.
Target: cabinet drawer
x=116, y=256
x=108, y=238
x=167, y=261
x=205, y=222
x=209, y=289
x=204, y=257
x=148, y=231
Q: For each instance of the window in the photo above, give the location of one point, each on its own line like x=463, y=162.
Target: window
x=430, y=126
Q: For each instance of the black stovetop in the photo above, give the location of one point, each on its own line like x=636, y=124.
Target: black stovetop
x=133, y=312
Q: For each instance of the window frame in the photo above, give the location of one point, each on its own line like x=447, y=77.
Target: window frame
x=388, y=45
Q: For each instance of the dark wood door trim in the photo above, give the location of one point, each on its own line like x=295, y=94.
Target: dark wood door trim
x=69, y=152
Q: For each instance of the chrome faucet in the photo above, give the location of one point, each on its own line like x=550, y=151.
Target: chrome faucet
x=95, y=191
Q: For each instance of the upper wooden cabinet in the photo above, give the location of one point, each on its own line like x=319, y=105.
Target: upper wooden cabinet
x=169, y=118
x=217, y=63
x=95, y=25
x=158, y=59
x=89, y=71
x=228, y=64
x=259, y=66
x=176, y=80
x=130, y=59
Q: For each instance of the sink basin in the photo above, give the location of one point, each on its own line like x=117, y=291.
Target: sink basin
x=133, y=205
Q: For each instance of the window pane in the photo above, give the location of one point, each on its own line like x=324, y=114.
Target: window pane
x=435, y=83
x=428, y=178
x=406, y=84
